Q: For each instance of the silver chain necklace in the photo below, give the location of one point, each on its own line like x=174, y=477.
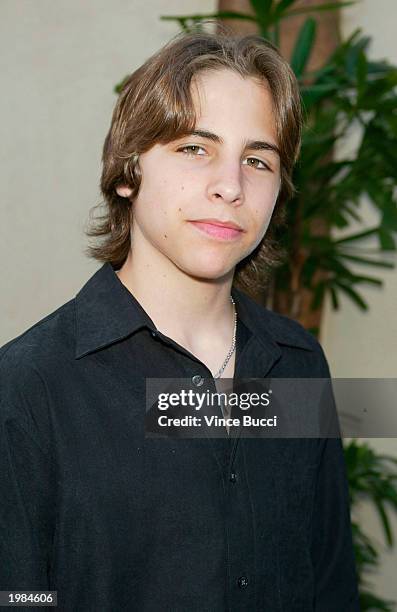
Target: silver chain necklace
x=233, y=346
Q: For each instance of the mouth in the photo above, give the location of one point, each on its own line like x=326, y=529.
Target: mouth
x=217, y=229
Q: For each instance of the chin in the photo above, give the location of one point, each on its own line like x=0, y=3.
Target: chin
x=208, y=270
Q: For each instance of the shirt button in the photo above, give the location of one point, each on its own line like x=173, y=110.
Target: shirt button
x=242, y=582
x=197, y=380
x=233, y=477
x=154, y=334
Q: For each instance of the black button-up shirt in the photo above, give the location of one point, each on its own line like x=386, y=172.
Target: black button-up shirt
x=114, y=520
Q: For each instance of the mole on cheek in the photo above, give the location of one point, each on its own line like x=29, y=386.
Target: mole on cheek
x=179, y=209
x=165, y=235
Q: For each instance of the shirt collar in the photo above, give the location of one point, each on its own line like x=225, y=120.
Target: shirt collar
x=106, y=312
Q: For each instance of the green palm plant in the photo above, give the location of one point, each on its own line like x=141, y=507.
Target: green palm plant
x=371, y=477
x=349, y=90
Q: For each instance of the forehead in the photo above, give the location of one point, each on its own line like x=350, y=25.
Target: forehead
x=223, y=97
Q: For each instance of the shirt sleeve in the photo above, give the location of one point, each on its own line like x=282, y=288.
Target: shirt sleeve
x=26, y=482
x=336, y=585
x=332, y=546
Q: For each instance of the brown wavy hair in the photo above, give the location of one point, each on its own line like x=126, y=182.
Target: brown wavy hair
x=155, y=106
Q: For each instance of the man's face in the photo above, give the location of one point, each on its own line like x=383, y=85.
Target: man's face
x=195, y=178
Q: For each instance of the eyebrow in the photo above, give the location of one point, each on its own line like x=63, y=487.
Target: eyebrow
x=254, y=145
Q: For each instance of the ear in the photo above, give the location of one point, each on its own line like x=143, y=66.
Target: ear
x=123, y=191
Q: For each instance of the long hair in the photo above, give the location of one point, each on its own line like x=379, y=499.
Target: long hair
x=155, y=106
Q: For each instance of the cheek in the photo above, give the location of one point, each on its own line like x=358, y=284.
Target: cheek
x=268, y=203
x=263, y=212
x=149, y=217
x=158, y=221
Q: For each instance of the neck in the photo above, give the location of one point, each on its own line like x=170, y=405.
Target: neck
x=189, y=309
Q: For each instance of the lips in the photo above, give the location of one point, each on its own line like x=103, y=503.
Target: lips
x=217, y=229
x=220, y=223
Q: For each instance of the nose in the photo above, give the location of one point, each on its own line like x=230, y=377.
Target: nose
x=226, y=184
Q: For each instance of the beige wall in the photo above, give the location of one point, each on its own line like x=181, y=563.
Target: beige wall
x=59, y=63
x=365, y=344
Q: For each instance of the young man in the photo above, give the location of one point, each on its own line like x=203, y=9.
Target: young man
x=197, y=161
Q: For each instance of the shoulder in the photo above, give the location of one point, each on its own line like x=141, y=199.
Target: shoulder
x=288, y=331
x=300, y=349
x=283, y=329
x=27, y=363
x=43, y=345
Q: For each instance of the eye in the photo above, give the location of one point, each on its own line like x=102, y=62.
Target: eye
x=189, y=148
x=265, y=166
